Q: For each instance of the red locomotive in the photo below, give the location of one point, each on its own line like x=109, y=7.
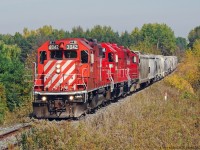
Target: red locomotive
x=75, y=75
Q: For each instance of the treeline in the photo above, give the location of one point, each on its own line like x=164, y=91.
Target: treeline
x=17, y=52
x=151, y=38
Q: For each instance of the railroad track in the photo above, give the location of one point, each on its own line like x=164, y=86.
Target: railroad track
x=10, y=136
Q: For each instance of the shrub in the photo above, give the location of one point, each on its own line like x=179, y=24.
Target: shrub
x=3, y=107
x=180, y=83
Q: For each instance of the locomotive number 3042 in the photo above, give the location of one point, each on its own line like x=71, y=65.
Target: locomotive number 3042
x=72, y=46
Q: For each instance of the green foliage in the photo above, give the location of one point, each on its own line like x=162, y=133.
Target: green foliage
x=78, y=32
x=9, y=51
x=23, y=44
x=193, y=36
x=135, y=34
x=156, y=38
x=181, y=43
x=3, y=106
x=12, y=75
x=13, y=80
x=103, y=34
x=7, y=39
x=146, y=47
x=152, y=38
x=126, y=39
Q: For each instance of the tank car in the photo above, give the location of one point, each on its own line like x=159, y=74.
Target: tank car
x=174, y=62
x=143, y=69
x=160, y=65
x=152, y=68
x=168, y=64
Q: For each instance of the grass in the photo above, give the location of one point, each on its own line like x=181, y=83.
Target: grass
x=19, y=115
x=142, y=121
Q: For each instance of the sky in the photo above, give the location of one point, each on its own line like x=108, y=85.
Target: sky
x=121, y=15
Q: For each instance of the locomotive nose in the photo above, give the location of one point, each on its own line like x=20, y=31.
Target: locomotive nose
x=59, y=75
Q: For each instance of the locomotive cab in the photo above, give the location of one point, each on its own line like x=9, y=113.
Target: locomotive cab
x=109, y=63
x=62, y=77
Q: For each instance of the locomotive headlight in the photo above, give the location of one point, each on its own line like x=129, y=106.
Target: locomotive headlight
x=71, y=98
x=44, y=98
x=58, y=66
x=57, y=70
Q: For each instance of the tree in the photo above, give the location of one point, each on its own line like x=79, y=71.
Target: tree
x=126, y=39
x=7, y=39
x=181, y=43
x=77, y=32
x=12, y=75
x=23, y=44
x=159, y=36
x=97, y=33
x=135, y=35
x=103, y=34
x=194, y=34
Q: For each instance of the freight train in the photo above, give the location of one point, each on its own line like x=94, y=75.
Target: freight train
x=74, y=76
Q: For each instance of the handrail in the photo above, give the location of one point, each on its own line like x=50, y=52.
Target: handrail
x=83, y=78
x=111, y=79
x=128, y=77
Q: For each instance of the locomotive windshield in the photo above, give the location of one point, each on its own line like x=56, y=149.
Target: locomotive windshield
x=56, y=55
x=70, y=54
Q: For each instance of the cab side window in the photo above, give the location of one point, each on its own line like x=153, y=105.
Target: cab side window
x=110, y=57
x=104, y=51
x=134, y=59
x=43, y=56
x=84, y=56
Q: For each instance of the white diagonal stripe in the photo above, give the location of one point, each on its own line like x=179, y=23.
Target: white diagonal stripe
x=59, y=82
x=72, y=79
x=48, y=74
x=66, y=64
x=65, y=75
x=63, y=68
x=52, y=80
x=69, y=71
x=47, y=65
x=54, y=77
x=53, y=68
